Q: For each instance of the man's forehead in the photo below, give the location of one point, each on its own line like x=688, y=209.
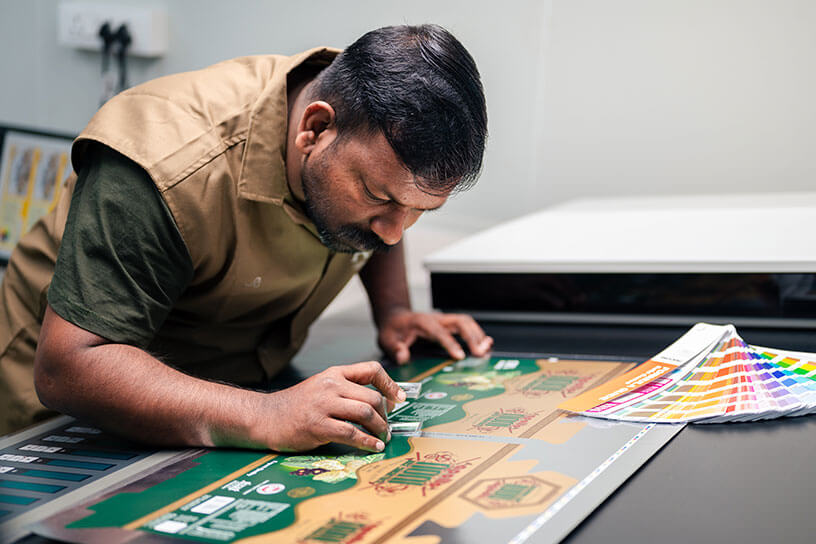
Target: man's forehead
x=417, y=198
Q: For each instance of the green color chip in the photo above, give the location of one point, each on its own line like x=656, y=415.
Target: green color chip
x=15, y=499
x=79, y=464
x=53, y=475
x=30, y=486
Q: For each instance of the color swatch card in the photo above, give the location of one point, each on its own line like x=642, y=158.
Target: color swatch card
x=731, y=381
x=658, y=373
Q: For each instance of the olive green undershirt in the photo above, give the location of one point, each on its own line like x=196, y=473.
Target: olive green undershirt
x=122, y=263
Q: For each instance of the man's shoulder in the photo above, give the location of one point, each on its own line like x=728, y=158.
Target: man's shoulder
x=170, y=123
x=229, y=85
x=200, y=98
x=226, y=82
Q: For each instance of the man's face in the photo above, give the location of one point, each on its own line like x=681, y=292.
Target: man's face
x=359, y=196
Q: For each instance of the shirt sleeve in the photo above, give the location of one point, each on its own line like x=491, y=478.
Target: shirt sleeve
x=122, y=263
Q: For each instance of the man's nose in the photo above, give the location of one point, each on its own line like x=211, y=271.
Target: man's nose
x=390, y=226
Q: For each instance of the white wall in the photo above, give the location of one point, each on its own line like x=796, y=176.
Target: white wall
x=693, y=96
x=585, y=97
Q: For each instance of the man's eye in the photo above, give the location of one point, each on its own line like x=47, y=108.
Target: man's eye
x=371, y=197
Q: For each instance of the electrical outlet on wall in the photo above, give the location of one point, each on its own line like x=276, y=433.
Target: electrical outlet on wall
x=78, y=26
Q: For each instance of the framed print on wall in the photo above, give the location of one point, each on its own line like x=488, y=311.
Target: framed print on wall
x=33, y=168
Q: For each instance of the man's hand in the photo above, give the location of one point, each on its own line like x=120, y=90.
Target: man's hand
x=384, y=280
x=321, y=409
x=400, y=329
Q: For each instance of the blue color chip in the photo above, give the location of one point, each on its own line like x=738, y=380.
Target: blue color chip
x=104, y=454
x=78, y=464
x=16, y=499
x=30, y=486
x=53, y=475
x=4, y=513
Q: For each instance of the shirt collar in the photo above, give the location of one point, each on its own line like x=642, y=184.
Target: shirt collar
x=263, y=169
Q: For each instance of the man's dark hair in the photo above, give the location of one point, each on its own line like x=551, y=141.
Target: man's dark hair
x=421, y=88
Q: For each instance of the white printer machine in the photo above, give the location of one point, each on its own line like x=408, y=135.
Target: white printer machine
x=653, y=261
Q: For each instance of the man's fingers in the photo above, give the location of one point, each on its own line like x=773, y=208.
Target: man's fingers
x=375, y=399
x=344, y=432
x=402, y=354
x=477, y=341
x=484, y=347
x=372, y=373
x=396, y=344
x=434, y=330
x=363, y=414
x=387, y=386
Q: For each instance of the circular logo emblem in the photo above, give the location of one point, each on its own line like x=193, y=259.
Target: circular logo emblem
x=435, y=395
x=270, y=489
x=301, y=492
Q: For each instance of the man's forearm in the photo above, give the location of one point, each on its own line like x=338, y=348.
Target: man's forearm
x=124, y=389
x=385, y=282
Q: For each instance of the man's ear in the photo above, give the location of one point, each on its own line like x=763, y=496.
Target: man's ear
x=316, y=123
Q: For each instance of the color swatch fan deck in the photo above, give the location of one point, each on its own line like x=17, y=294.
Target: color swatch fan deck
x=725, y=380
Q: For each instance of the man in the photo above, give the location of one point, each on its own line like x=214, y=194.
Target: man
x=214, y=215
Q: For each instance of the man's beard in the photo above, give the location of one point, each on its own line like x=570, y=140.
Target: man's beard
x=347, y=238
